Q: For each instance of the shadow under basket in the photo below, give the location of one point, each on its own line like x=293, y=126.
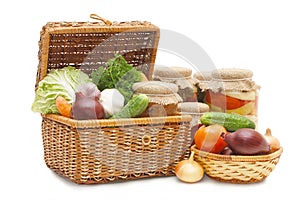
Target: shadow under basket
x=235, y=168
x=99, y=151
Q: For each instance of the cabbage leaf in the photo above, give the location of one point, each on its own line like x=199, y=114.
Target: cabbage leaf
x=58, y=82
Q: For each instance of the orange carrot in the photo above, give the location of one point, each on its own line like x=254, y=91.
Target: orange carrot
x=64, y=108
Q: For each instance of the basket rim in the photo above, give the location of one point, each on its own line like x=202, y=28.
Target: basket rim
x=89, y=28
x=117, y=122
x=237, y=158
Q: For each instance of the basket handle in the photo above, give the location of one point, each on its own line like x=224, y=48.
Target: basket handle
x=97, y=17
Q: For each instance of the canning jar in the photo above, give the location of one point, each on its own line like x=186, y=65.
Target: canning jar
x=195, y=109
x=232, y=90
x=180, y=76
x=163, y=98
x=200, y=79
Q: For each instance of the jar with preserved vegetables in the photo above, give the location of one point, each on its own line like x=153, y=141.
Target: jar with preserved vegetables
x=232, y=90
x=180, y=76
x=163, y=97
x=201, y=79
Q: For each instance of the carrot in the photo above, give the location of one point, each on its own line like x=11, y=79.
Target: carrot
x=63, y=107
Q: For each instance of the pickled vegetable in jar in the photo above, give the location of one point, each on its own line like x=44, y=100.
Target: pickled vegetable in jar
x=180, y=76
x=232, y=90
x=163, y=97
x=200, y=79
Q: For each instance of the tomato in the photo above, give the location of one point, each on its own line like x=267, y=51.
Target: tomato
x=209, y=138
x=193, y=132
x=223, y=101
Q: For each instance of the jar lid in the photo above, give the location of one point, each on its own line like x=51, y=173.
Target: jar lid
x=232, y=74
x=230, y=79
x=158, y=92
x=172, y=72
x=192, y=107
x=203, y=76
x=155, y=87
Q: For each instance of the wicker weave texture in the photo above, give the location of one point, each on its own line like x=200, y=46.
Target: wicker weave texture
x=88, y=45
x=143, y=147
x=237, y=169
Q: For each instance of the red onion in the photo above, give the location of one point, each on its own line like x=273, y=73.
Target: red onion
x=86, y=107
x=90, y=90
x=247, y=141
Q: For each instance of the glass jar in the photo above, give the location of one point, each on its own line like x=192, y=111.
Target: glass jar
x=195, y=109
x=233, y=91
x=163, y=98
x=180, y=76
x=200, y=79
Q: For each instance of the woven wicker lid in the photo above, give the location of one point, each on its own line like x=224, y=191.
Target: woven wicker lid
x=89, y=44
x=192, y=107
x=230, y=79
x=172, y=72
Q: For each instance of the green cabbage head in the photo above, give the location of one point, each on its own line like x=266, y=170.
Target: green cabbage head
x=59, y=82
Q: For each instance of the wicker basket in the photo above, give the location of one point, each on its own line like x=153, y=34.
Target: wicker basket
x=237, y=169
x=99, y=151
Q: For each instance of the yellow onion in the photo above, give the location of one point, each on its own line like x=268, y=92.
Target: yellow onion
x=189, y=171
x=272, y=141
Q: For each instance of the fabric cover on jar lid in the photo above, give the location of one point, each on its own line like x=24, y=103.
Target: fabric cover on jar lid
x=172, y=72
x=231, y=79
x=192, y=107
x=202, y=77
x=180, y=76
x=158, y=92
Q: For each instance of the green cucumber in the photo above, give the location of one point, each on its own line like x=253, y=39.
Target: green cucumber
x=135, y=107
x=231, y=122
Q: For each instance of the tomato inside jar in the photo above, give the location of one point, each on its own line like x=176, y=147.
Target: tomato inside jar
x=232, y=90
x=243, y=103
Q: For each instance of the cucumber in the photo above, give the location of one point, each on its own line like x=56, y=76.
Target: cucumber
x=135, y=107
x=231, y=122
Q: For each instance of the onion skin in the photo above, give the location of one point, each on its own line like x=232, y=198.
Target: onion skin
x=247, y=141
x=226, y=151
x=189, y=171
x=272, y=141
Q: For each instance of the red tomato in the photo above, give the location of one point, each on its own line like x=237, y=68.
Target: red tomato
x=209, y=138
x=223, y=101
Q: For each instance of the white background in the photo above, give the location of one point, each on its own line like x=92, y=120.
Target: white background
x=260, y=35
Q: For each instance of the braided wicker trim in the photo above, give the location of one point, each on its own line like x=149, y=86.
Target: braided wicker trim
x=237, y=158
x=117, y=122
